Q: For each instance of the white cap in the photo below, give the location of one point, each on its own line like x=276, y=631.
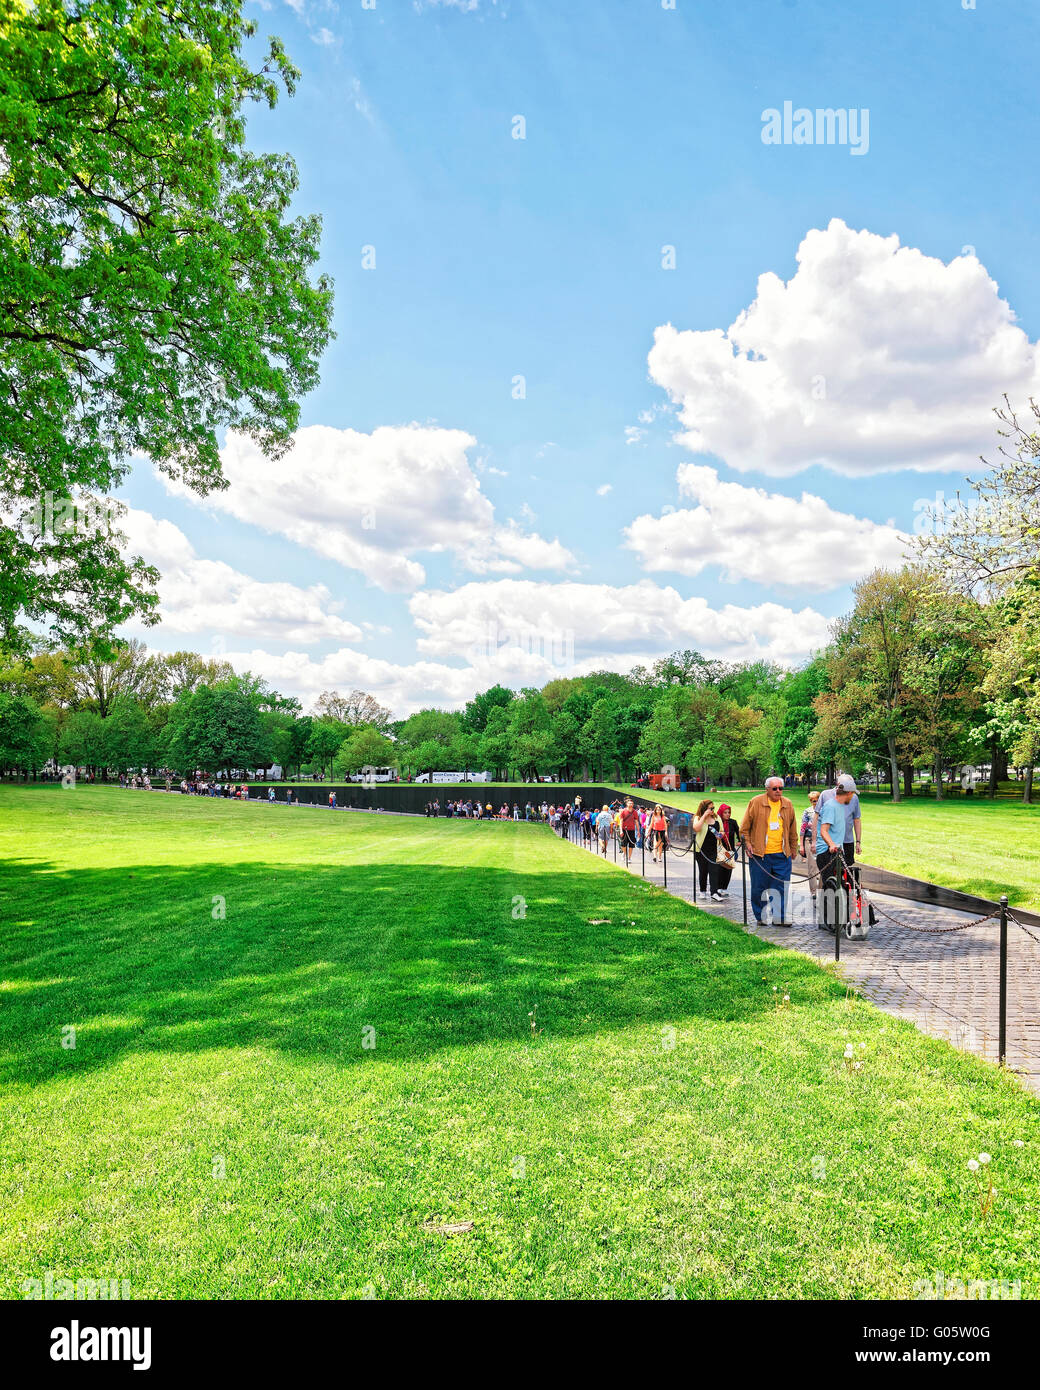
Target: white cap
x=845, y=783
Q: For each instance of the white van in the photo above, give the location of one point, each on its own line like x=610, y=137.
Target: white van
x=455, y=777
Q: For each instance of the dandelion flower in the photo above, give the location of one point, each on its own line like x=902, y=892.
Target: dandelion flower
x=984, y=1158
x=1019, y=1143
x=973, y=1165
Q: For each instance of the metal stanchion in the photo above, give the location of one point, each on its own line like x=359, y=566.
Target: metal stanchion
x=1003, y=978
x=642, y=849
x=664, y=858
x=693, y=856
x=743, y=876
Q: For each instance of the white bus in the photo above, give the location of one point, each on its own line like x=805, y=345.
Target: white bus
x=455, y=777
x=375, y=774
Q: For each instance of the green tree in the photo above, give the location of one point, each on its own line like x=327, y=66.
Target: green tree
x=366, y=747
x=298, y=736
x=23, y=734
x=83, y=741
x=530, y=737
x=324, y=743
x=496, y=743
x=129, y=738
x=217, y=728
x=475, y=716
x=873, y=651
x=156, y=288
x=599, y=738
x=662, y=743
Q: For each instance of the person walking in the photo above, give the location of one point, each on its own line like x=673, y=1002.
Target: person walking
x=658, y=831
x=728, y=832
x=603, y=821
x=852, y=832
x=705, y=841
x=771, y=835
x=807, y=840
x=629, y=823
x=830, y=832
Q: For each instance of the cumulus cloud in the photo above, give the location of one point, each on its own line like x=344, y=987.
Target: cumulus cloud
x=872, y=357
x=822, y=548
x=601, y=624
x=521, y=633
x=374, y=501
x=198, y=595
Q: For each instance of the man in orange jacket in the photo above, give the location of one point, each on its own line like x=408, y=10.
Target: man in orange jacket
x=769, y=831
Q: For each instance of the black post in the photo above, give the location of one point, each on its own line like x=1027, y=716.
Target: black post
x=1003, y=978
x=664, y=859
x=693, y=856
x=837, y=914
x=613, y=836
x=743, y=875
x=642, y=849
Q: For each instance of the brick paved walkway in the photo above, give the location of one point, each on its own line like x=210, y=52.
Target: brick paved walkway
x=946, y=985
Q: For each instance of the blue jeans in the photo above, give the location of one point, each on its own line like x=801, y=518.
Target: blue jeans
x=765, y=870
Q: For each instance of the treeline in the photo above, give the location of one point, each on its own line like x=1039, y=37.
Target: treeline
x=913, y=679
x=125, y=710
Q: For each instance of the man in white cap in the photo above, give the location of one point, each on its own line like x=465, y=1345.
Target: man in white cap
x=852, y=840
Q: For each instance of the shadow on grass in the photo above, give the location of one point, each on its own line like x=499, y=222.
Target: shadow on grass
x=306, y=958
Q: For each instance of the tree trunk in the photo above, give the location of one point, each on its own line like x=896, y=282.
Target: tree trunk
x=937, y=773
x=893, y=768
x=1027, y=790
x=908, y=780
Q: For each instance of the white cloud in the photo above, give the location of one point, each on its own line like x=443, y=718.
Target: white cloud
x=198, y=595
x=603, y=623
x=374, y=501
x=872, y=357
x=633, y=434
x=516, y=632
x=520, y=633
x=604, y=489
x=788, y=543
x=325, y=38
x=403, y=688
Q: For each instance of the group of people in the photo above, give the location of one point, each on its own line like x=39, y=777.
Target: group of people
x=474, y=809
x=136, y=782
x=828, y=838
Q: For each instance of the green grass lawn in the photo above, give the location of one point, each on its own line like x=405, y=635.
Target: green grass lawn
x=221, y=1130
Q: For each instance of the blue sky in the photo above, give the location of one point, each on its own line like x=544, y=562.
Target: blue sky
x=867, y=381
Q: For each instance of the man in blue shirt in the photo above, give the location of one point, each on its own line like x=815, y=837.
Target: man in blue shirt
x=852, y=839
x=830, y=839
